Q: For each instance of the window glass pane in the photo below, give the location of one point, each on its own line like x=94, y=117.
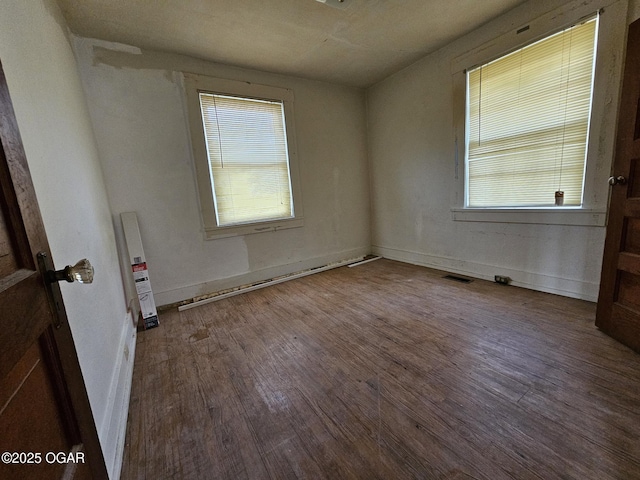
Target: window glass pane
x=247, y=149
x=528, y=120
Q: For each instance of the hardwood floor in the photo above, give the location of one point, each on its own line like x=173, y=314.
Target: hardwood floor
x=384, y=371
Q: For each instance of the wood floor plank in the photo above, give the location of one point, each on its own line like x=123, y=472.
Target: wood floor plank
x=385, y=370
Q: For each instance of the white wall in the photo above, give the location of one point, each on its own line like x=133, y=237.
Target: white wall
x=136, y=102
x=413, y=123
x=56, y=131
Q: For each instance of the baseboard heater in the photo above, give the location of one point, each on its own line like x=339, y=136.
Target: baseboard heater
x=274, y=281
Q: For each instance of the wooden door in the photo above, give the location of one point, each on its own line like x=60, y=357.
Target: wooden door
x=618, y=312
x=46, y=425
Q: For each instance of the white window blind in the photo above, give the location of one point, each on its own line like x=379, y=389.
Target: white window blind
x=528, y=121
x=247, y=150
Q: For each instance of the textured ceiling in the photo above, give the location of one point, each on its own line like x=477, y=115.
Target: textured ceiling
x=358, y=44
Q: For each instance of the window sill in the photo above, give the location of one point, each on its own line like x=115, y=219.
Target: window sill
x=542, y=216
x=262, y=227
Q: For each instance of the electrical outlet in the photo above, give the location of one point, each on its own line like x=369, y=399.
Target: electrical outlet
x=501, y=279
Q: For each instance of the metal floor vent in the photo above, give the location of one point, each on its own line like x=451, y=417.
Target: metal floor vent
x=458, y=279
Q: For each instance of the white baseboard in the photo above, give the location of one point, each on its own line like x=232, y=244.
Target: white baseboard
x=114, y=425
x=534, y=281
x=194, y=291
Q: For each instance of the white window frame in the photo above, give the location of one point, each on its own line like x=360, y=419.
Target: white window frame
x=194, y=84
x=604, y=108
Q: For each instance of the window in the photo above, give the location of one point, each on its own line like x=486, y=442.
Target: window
x=528, y=122
x=247, y=152
x=242, y=137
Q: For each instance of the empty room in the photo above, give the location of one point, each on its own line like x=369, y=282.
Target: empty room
x=323, y=239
